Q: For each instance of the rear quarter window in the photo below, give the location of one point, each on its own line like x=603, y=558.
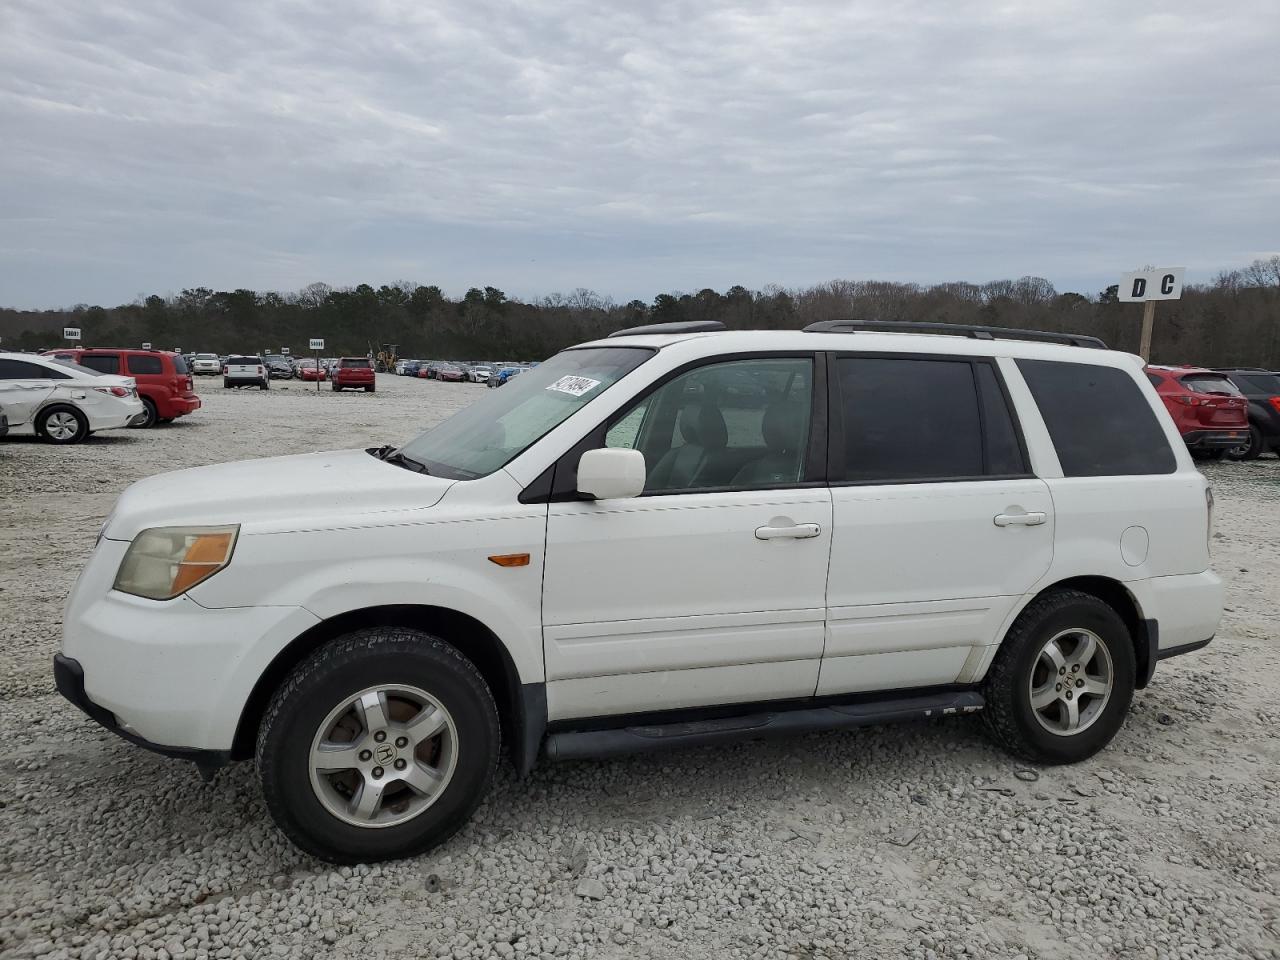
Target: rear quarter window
x=1098, y=419
x=179, y=364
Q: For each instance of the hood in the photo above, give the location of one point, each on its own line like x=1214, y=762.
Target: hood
x=274, y=495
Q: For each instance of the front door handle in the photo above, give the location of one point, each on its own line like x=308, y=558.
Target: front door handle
x=1025, y=519
x=798, y=531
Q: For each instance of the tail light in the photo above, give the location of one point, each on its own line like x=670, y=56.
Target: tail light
x=190, y=384
x=1208, y=527
x=1275, y=402
x=115, y=391
x=262, y=372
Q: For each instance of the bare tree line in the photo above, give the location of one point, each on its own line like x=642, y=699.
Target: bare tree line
x=1233, y=320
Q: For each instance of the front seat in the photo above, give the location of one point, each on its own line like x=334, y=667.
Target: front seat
x=705, y=434
x=785, y=430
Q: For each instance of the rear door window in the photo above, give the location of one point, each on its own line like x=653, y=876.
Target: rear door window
x=142, y=365
x=1098, y=419
x=913, y=420
x=1209, y=383
x=101, y=362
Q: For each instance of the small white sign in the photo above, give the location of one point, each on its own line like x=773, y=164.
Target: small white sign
x=317, y=343
x=146, y=346
x=285, y=351
x=574, y=386
x=1162, y=283
x=70, y=333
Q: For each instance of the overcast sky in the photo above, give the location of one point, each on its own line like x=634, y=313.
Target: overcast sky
x=629, y=147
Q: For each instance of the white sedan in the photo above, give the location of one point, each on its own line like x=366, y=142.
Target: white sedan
x=63, y=402
x=206, y=364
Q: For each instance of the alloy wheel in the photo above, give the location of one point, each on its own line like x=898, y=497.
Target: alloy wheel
x=1071, y=682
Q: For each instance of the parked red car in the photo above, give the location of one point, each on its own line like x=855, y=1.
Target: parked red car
x=355, y=372
x=310, y=370
x=451, y=373
x=1210, y=412
x=164, y=381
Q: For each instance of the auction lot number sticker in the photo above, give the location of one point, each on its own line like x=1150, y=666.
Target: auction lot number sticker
x=574, y=386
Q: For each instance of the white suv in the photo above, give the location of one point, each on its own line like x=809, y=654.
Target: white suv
x=677, y=535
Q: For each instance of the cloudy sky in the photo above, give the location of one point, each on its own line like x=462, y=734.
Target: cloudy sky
x=630, y=147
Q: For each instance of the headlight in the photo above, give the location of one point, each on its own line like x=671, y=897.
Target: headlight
x=165, y=562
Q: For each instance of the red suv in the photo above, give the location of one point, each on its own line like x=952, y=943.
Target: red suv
x=164, y=381
x=354, y=372
x=1210, y=412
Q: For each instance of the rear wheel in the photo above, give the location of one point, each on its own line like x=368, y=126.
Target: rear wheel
x=149, y=414
x=226, y=384
x=379, y=746
x=369, y=389
x=62, y=424
x=264, y=385
x=1251, y=450
x=1062, y=680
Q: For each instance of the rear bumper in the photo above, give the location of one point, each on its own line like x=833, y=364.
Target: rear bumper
x=1215, y=439
x=178, y=407
x=68, y=676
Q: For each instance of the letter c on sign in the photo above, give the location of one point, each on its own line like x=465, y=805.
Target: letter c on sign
x=1139, y=286
x=1166, y=283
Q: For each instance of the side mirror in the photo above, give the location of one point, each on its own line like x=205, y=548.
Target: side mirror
x=611, y=474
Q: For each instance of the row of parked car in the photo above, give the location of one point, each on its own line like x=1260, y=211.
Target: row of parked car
x=342, y=373
x=1232, y=413
x=457, y=371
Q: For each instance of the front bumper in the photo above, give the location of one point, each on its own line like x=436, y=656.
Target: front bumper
x=68, y=676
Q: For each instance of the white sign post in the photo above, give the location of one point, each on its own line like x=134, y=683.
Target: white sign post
x=146, y=346
x=317, y=344
x=70, y=333
x=1146, y=286
x=285, y=351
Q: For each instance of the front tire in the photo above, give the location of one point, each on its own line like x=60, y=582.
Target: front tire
x=1062, y=680
x=149, y=409
x=62, y=424
x=378, y=746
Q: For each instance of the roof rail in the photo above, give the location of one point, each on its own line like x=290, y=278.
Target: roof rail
x=691, y=326
x=955, y=330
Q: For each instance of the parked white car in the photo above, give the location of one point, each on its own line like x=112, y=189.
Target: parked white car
x=62, y=402
x=479, y=373
x=677, y=535
x=206, y=364
x=246, y=371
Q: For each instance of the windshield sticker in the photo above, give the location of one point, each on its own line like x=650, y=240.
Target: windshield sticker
x=574, y=386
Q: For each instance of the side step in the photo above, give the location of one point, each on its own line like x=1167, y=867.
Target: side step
x=579, y=744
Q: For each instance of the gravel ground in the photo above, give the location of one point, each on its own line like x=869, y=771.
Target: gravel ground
x=917, y=840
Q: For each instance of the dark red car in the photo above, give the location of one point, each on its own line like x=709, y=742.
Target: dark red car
x=354, y=372
x=1210, y=412
x=451, y=373
x=164, y=381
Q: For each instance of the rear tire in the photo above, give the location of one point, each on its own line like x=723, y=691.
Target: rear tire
x=61, y=424
x=226, y=384
x=1030, y=689
x=149, y=409
x=368, y=389
x=380, y=680
x=1250, y=451
x=265, y=385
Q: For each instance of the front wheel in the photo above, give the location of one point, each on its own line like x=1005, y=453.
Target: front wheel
x=149, y=414
x=1062, y=681
x=379, y=746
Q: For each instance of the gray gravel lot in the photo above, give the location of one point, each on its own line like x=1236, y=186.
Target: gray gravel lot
x=918, y=841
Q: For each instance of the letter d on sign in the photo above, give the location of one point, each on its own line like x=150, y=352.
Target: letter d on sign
x=1139, y=288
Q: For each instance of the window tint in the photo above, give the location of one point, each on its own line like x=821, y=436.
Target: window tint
x=1155, y=379
x=243, y=361
x=179, y=363
x=141, y=364
x=360, y=363
x=1098, y=419
x=741, y=425
x=908, y=419
x=1004, y=455
x=22, y=370
x=101, y=362
x=1259, y=383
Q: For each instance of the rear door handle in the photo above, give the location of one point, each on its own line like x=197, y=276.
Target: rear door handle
x=799, y=531
x=1024, y=519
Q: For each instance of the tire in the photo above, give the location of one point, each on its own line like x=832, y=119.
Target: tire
x=368, y=389
x=149, y=409
x=1250, y=451
x=226, y=384
x=336, y=388
x=61, y=424
x=1009, y=715
x=166, y=420
x=302, y=801
x=264, y=385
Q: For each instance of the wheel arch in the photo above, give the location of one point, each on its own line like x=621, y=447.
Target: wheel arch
x=522, y=707
x=1143, y=632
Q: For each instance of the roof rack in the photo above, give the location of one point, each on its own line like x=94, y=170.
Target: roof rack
x=955, y=330
x=691, y=326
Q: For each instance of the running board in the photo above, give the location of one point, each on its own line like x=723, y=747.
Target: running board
x=580, y=744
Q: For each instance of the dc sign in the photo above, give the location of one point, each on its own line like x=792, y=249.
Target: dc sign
x=1155, y=283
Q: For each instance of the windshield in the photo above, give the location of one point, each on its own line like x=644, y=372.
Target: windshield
x=72, y=365
x=487, y=435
